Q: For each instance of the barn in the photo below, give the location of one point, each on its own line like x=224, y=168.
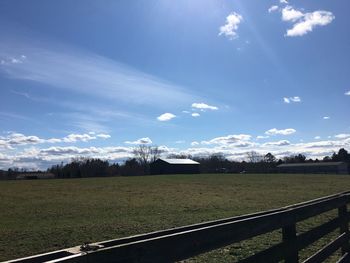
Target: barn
x=174, y=166
x=319, y=168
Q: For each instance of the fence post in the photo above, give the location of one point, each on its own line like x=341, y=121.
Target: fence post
x=289, y=234
x=344, y=226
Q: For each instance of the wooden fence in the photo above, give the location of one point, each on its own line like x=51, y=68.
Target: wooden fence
x=188, y=241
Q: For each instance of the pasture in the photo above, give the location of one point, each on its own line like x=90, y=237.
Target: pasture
x=44, y=215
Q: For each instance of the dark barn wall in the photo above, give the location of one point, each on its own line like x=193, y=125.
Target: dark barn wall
x=161, y=167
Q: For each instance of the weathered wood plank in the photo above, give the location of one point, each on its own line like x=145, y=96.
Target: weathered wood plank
x=344, y=259
x=328, y=250
x=344, y=226
x=44, y=257
x=276, y=253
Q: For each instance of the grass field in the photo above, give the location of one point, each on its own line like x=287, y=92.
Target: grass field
x=44, y=215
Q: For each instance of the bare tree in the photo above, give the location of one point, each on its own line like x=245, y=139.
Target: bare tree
x=254, y=157
x=155, y=153
x=146, y=154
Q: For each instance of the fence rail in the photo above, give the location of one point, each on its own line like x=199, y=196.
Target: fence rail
x=185, y=242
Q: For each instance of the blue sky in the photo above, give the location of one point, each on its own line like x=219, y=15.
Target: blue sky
x=96, y=78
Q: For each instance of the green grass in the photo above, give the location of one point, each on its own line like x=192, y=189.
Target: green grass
x=44, y=215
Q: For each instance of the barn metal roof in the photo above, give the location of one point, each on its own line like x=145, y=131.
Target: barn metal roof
x=179, y=161
x=310, y=164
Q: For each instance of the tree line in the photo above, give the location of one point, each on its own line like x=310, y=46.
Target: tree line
x=143, y=156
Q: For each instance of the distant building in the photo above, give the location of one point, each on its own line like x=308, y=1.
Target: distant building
x=317, y=168
x=174, y=166
x=33, y=176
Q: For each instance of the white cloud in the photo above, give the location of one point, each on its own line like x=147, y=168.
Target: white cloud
x=273, y=8
x=69, y=150
x=291, y=99
x=326, y=117
x=342, y=136
x=15, y=61
x=286, y=100
x=280, y=149
x=291, y=14
x=12, y=60
x=305, y=22
x=78, y=137
x=259, y=137
x=166, y=117
x=283, y=1
x=19, y=139
x=295, y=99
x=278, y=143
x=233, y=147
x=203, y=106
x=103, y=136
x=231, y=26
x=53, y=140
x=317, y=137
x=195, y=114
x=275, y=131
x=229, y=139
x=326, y=144
x=145, y=140
x=347, y=93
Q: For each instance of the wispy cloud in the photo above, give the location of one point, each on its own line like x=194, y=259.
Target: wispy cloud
x=8, y=60
x=195, y=114
x=23, y=94
x=230, y=28
x=342, y=136
x=82, y=137
x=87, y=73
x=145, y=140
x=237, y=139
x=326, y=117
x=12, y=115
x=347, y=93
